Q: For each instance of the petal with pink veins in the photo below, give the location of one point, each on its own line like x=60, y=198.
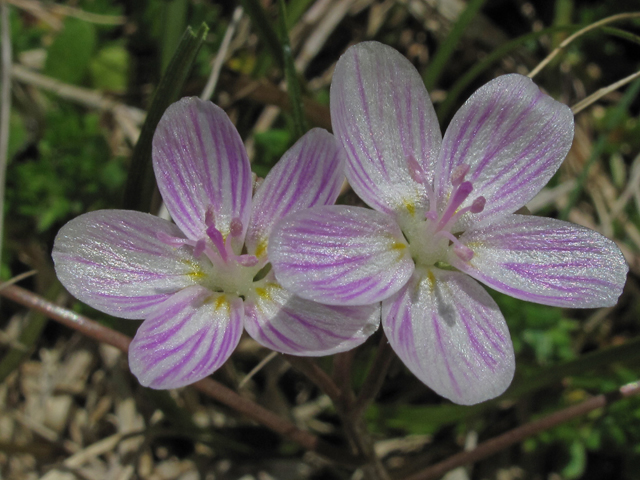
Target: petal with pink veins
x=202, y=168
x=450, y=333
x=114, y=261
x=186, y=338
x=310, y=173
x=287, y=323
x=340, y=255
x=512, y=137
x=383, y=116
x=546, y=261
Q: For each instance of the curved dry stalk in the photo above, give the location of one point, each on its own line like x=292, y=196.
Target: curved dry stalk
x=208, y=386
x=598, y=94
x=257, y=368
x=579, y=33
x=221, y=56
x=499, y=443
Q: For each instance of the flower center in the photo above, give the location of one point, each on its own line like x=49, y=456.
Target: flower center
x=432, y=236
x=225, y=271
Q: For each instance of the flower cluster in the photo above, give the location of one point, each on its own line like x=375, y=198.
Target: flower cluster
x=442, y=218
x=198, y=282
x=444, y=215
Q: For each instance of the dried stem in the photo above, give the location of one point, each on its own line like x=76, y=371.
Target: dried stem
x=208, y=386
x=530, y=429
x=597, y=95
x=579, y=33
x=221, y=56
x=375, y=378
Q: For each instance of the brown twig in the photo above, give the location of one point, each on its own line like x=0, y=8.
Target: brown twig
x=499, y=443
x=579, y=33
x=208, y=386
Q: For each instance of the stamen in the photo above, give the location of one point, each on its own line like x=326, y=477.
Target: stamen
x=235, y=229
x=199, y=247
x=170, y=240
x=432, y=214
x=415, y=170
x=247, y=260
x=459, y=196
x=478, y=204
x=458, y=174
x=462, y=251
x=218, y=241
x=209, y=216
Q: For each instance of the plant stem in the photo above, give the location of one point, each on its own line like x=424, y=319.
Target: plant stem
x=499, y=443
x=375, y=378
x=208, y=386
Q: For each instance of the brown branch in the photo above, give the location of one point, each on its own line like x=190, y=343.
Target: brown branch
x=499, y=443
x=208, y=386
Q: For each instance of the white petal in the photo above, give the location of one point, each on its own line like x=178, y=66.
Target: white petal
x=513, y=137
x=383, y=116
x=113, y=261
x=186, y=338
x=450, y=333
x=284, y=322
x=310, y=173
x=546, y=261
x=340, y=255
x=201, y=165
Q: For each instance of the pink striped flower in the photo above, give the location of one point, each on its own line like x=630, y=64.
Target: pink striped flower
x=443, y=215
x=197, y=282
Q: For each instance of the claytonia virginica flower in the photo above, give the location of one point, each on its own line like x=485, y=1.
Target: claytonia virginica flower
x=444, y=216
x=197, y=283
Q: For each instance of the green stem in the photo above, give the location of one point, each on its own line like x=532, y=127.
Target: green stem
x=293, y=87
x=444, y=52
x=141, y=181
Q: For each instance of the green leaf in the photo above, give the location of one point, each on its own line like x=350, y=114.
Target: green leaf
x=577, y=462
x=141, y=181
x=265, y=31
x=69, y=55
x=17, y=134
x=293, y=86
x=109, y=69
x=444, y=52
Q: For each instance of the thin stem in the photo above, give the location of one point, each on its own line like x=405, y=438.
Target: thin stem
x=597, y=95
x=221, y=56
x=375, y=378
x=342, y=364
x=316, y=375
x=5, y=107
x=208, y=386
x=579, y=33
x=293, y=86
x=530, y=429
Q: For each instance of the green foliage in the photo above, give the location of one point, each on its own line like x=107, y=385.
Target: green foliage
x=73, y=173
x=109, y=68
x=69, y=55
x=270, y=146
x=17, y=134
